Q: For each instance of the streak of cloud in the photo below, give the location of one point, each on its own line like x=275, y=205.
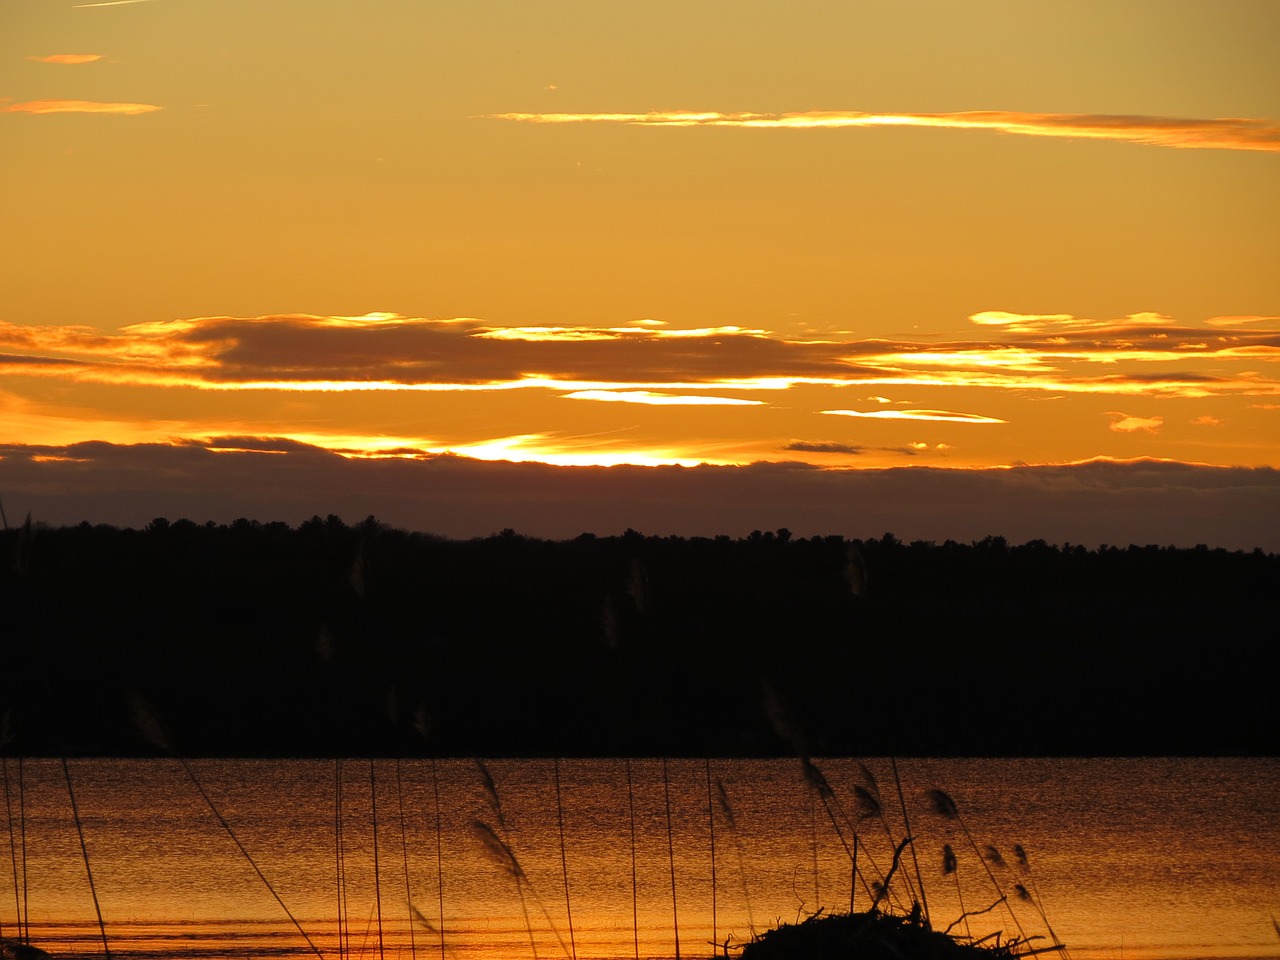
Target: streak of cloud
x=1127, y=424
x=78, y=106
x=815, y=446
x=1145, y=355
x=107, y=3
x=68, y=59
x=658, y=399
x=1223, y=133
x=944, y=416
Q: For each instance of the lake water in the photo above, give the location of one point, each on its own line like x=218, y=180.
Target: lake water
x=1129, y=859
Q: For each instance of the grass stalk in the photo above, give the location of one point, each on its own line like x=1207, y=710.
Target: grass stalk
x=84, y=850
x=243, y=852
x=13, y=851
x=564, y=861
x=671, y=855
x=404, y=852
x=500, y=852
x=711, y=825
x=915, y=860
x=340, y=865
x=726, y=811
x=377, y=874
x=435, y=790
x=635, y=900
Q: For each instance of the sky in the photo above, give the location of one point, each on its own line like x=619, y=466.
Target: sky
x=880, y=245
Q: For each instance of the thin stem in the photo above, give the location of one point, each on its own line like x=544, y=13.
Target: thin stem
x=13, y=846
x=671, y=855
x=564, y=861
x=711, y=823
x=75, y=813
x=404, y=850
x=22, y=818
x=245, y=853
x=635, y=908
x=338, y=859
x=377, y=877
x=906, y=826
x=435, y=789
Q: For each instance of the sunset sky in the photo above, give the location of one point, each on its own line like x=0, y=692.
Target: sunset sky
x=987, y=238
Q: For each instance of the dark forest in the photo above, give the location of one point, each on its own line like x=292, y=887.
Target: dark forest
x=260, y=639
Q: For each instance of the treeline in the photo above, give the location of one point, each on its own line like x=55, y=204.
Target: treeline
x=254, y=639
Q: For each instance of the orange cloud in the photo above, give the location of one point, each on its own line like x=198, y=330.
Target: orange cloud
x=1143, y=355
x=78, y=106
x=1225, y=133
x=939, y=415
x=68, y=59
x=1127, y=424
x=657, y=399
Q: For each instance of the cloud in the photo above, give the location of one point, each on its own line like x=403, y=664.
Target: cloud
x=68, y=59
x=1208, y=421
x=657, y=399
x=107, y=3
x=1225, y=133
x=1127, y=424
x=814, y=446
x=78, y=106
x=940, y=415
x=1093, y=502
x=1145, y=355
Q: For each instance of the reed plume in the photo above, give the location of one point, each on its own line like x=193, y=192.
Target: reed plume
x=951, y=867
x=945, y=807
x=503, y=858
x=726, y=811
x=1033, y=896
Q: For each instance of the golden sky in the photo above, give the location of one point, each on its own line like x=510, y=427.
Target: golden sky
x=864, y=235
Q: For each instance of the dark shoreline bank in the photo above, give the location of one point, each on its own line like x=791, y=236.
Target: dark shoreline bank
x=327, y=639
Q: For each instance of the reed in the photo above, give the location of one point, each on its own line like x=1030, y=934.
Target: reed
x=635, y=899
x=340, y=863
x=564, y=861
x=84, y=850
x=671, y=855
x=13, y=853
x=500, y=853
x=726, y=811
x=377, y=874
x=504, y=855
x=711, y=827
x=435, y=790
x=245, y=853
x=945, y=807
x=404, y=852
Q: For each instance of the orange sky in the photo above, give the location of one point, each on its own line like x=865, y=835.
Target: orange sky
x=854, y=236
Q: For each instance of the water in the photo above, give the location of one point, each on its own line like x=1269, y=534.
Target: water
x=1169, y=859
